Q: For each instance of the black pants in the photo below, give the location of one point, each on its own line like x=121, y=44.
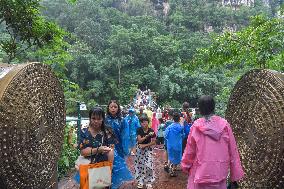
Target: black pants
x=184, y=141
x=160, y=140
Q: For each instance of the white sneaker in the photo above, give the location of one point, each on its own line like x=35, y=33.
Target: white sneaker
x=140, y=186
x=149, y=186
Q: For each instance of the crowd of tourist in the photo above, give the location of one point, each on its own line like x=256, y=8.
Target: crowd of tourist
x=204, y=147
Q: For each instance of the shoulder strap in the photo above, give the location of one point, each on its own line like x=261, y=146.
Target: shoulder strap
x=102, y=143
x=105, y=136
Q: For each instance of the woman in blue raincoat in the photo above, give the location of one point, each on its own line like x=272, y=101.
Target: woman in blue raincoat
x=120, y=127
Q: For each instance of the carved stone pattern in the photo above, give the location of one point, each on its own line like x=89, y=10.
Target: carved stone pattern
x=256, y=114
x=32, y=114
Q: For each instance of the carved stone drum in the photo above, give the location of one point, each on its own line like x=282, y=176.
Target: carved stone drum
x=32, y=119
x=256, y=114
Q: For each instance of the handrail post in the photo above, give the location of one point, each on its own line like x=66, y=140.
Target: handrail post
x=78, y=122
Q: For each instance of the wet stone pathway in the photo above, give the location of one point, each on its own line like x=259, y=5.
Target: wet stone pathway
x=163, y=180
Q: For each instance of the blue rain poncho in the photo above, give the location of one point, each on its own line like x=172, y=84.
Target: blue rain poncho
x=120, y=171
x=186, y=129
x=120, y=128
x=133, y=123
x=174, y=135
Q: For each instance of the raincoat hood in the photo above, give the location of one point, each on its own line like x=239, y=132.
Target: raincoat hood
x=213, y=127
x=131, y=110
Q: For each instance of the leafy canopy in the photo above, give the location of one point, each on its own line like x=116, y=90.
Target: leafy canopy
x=26, y=29
x=260, y=45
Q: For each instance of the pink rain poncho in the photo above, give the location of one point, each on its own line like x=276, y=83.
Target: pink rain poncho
x=155, y=123
x=211, y=152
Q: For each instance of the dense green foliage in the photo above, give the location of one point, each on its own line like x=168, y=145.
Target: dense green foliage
x=69, y=152
x=120, y=45
x=27, y=36
x=260, y=45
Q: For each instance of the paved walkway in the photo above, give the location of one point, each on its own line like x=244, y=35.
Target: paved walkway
x=163, y=180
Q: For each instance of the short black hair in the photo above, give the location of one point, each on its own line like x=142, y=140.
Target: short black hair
x=161, y=120
x=185, y=106
x=98, y=111
x=206, y=105
x=171, y=112
x=143, y=117
x=176, y=116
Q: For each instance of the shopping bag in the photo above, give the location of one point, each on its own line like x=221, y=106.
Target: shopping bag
x=81, y=160
x=96, y=175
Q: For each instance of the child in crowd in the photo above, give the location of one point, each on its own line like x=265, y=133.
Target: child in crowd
x=168, y=123
x=174, y=135
x=160, y=138
x=144, y=172
x=187, y=122
x=133, y=123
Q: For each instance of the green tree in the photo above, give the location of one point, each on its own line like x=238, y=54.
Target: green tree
x=260, y=45
x=26, y=29
x=120, y=44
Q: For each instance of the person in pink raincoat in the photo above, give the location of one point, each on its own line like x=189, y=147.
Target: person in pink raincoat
x=155, y=123
x=211, y=151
